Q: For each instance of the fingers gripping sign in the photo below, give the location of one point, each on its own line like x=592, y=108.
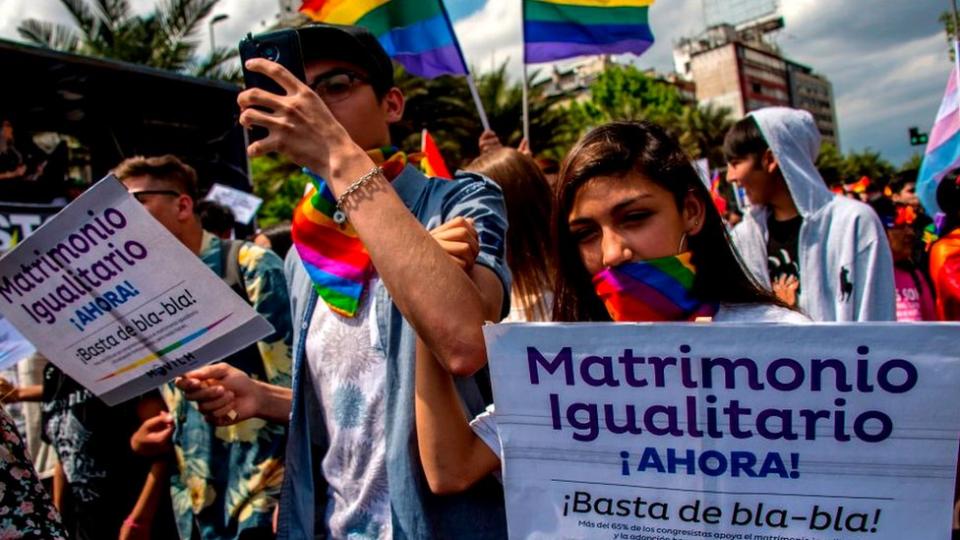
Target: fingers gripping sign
x=223, y=393
x=299, y=123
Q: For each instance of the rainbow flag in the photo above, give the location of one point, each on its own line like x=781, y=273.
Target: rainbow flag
x=432, y=161
x=558, y=29
x=943, y=148
x=415, y=33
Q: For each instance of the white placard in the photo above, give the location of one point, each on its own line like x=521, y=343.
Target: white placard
x=13, y=346
x=243, y=205
x=737, y=431
x=107, y=294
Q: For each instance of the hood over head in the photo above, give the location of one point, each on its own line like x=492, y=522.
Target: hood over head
x=793, y=137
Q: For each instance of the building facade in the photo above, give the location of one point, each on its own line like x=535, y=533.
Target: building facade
x=738, y=69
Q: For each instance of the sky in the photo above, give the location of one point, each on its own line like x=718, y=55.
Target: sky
x=887, y=59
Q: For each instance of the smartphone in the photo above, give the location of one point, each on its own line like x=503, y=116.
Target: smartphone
x=282, y=47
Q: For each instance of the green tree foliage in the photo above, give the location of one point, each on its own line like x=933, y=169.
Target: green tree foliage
x=280, y=184
x=831, y=165
x=165, y=38
x=949, y=27
x=445, y=107
x=626, y=93
x=868, y=163
x=913, y=163
x=837, y=168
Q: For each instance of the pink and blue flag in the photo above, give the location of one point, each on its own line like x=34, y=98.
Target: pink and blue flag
x=943, y=148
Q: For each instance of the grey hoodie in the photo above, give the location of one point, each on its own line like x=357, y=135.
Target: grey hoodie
x=846, y=269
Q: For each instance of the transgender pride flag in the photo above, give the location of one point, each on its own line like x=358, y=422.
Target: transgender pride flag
x=943, y=148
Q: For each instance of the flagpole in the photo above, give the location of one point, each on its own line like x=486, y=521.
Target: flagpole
x=476, y=101
x=956, y=43
x=526, y=90
x=470, y=82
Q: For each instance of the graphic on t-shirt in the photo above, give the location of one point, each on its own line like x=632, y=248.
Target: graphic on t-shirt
x=71, y=439
x=781, y=263
x=846, y=287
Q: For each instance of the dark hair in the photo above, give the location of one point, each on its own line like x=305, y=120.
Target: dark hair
x=214, y=217
x=167, y=168
x=948, y=199
x=616, y=150
x=901, y=179
x=352, y=44
x=744, y=140
x=528, y=199
x=280, y=237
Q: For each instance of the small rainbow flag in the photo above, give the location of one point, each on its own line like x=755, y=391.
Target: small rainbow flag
x=415, y=33
x=432, y=161
x=718, y=199
x=558, y=29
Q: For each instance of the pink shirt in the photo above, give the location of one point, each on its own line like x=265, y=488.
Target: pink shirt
x=913, y=304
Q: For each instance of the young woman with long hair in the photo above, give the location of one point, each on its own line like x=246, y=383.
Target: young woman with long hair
x=528, y=199
x=629, y=209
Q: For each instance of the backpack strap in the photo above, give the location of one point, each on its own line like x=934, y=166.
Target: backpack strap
x=230, y=263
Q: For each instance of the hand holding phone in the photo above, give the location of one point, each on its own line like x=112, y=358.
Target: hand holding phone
x=281, y=47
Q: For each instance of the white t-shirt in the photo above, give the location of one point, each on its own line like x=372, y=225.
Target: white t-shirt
x=485, y=424
x=349, y=374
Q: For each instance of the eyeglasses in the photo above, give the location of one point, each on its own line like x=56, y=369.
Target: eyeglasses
x=336, y=85
x=139, y=195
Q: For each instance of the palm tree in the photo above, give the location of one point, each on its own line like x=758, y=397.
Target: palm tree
x=702, y=130
x=165, y=38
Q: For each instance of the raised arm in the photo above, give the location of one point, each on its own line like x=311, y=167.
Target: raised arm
x=439, y=300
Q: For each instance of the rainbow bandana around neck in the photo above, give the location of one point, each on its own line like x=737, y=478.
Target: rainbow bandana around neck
x=658, y=290
x=334, y=257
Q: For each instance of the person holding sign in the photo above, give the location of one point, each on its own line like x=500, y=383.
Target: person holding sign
x=366, y=278
x=227, y=481
x=639, y=240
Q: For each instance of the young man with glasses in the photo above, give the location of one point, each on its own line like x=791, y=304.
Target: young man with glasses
x=227, y=482
x=367, y=279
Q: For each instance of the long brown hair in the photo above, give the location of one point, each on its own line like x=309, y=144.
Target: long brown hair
x=528, y=200
x=621, y=148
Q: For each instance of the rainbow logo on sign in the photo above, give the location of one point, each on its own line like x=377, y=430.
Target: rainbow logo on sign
x=165, y=350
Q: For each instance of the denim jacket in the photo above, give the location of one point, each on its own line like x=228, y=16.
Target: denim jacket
x=416, y=512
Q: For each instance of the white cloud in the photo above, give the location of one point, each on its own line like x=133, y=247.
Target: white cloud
x=886, y=61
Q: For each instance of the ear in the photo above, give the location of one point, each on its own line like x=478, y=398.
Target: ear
x=769, y=161
x=184, y=208
x=694, y=213
x=393, y=104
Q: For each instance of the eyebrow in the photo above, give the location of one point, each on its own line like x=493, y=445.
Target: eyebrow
x=332, y=72
x=616, y=208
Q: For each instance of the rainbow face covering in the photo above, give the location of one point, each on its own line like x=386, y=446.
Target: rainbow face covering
x=334, y=257
x=658, y=290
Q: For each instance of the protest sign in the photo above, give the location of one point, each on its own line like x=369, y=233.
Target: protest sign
x=736, y=431
x=18, y=221
x=243, y=205
x=13, y=346
x=118, y=303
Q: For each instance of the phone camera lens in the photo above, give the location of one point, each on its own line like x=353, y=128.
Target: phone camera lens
x=271, y=52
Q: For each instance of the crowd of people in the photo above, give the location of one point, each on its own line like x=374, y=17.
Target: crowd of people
x=368, y=413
